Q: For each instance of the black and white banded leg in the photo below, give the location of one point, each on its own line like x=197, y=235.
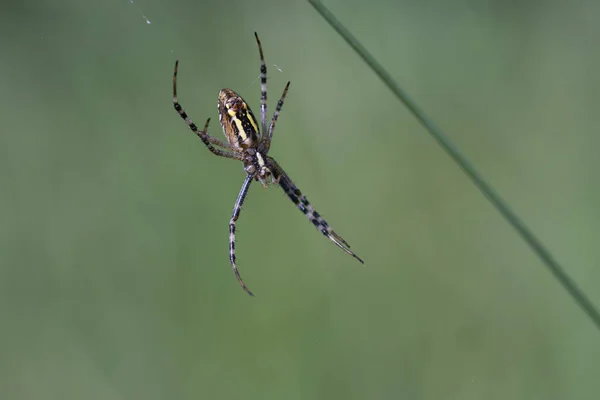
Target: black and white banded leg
x=263, y=87
x=307, y=209
x=237, y=208
x=275, y=116
x=202, y=134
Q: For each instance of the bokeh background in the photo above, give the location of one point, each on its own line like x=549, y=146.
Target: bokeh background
x=114, y=278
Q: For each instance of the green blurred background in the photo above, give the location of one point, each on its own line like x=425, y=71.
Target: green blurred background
x=115, y=281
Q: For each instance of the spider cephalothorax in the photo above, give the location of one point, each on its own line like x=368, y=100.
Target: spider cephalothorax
x=255, y=165
x=250, y=143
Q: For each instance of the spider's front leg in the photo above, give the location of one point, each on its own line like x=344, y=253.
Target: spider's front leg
x=307, y=209
x=237, y=208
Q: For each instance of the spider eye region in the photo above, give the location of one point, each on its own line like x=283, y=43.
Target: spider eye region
x=238, y=121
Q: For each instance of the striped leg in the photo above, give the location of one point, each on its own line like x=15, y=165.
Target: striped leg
x=275, y=116
x=302, y=203
x=263, y=87
x=234, y=217
x=202, y=134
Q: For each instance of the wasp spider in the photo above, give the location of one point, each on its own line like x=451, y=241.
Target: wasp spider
x=247, y=144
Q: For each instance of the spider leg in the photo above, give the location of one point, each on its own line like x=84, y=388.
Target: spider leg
x=302, y=203
x=263, y=86
x=237, y=208
x=202, y=134
x=275, y=116
x=219, y=142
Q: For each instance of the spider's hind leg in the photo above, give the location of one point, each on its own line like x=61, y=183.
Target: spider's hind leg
x=263, y=86
x=208, y=140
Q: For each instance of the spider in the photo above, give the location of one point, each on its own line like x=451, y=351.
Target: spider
x=247, y=144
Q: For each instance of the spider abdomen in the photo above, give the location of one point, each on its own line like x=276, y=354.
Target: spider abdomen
x=238, y=122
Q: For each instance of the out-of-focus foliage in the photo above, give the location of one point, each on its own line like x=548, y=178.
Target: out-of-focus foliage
x=114, y=277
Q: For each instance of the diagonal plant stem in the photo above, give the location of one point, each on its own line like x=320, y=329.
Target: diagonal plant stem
x=488, y=191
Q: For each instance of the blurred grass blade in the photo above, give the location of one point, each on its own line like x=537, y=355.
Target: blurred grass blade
x=543, y=253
